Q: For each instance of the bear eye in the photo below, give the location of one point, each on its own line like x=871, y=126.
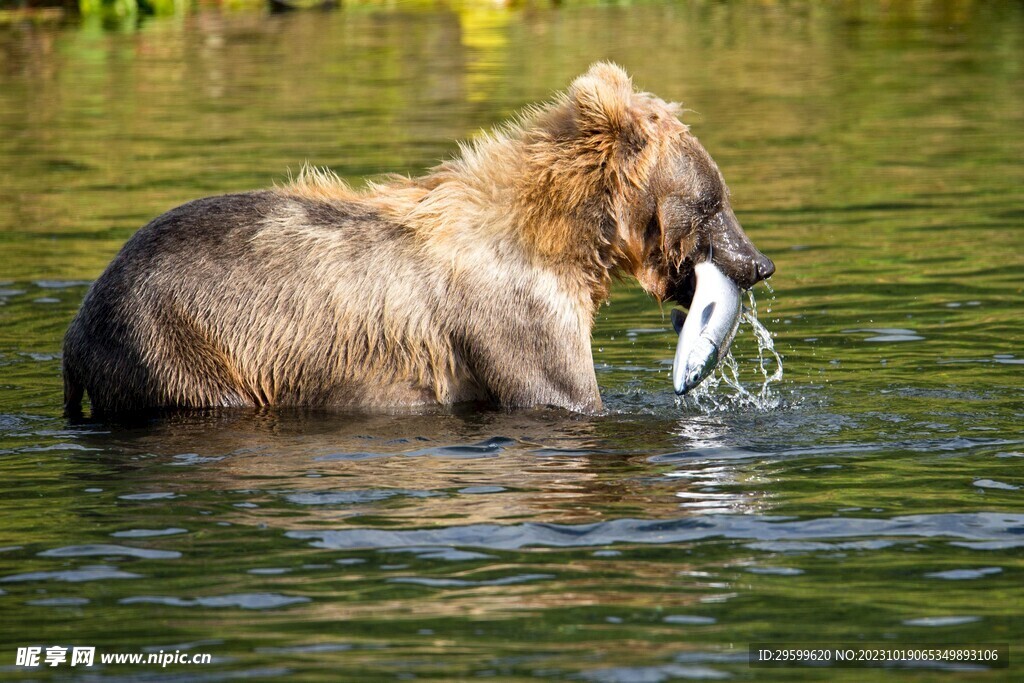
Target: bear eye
x=708, y=203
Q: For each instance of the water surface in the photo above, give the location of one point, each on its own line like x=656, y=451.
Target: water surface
x=874, y=495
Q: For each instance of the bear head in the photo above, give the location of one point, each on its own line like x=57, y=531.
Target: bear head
x=663, y=203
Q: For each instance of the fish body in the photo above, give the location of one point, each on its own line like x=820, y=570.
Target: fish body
x=708, y=329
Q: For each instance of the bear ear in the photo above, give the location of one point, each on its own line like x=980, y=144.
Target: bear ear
x=601, y=98
x=607, y=112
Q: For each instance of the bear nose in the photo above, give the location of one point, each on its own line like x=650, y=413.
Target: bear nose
x=764, y=267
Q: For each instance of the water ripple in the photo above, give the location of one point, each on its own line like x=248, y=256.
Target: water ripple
x=110, y=549
x=993, y=484
x=886, y=334
x=979, y=526
x=353, y=497
x=444, y=583
x=442, y=553
x=155, y=495
x=243, y=600
x=689, y=619
x=964, y=574
x=97, y=573
x=146, y=533
x=776, y=571
x=941, y=621
x=58, y=602
x=652, y=674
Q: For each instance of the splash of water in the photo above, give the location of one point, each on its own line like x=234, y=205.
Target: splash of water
x=759, y=395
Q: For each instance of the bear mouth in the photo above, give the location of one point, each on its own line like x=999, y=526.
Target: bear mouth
x=685, y=289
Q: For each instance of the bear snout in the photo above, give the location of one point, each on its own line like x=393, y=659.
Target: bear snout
x=764, y=267
x=735, y=254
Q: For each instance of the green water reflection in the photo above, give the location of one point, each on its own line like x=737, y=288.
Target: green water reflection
x=874, y=152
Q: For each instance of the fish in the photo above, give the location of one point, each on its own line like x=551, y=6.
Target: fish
x=706, y=331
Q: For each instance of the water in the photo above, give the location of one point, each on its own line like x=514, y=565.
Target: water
x=873, y=493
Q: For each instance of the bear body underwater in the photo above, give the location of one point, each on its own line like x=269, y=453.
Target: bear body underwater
x=476, y=282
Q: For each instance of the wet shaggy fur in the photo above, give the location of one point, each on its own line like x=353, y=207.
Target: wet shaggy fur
x=476, y=282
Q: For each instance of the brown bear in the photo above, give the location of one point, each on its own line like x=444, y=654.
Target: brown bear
x=476, y=282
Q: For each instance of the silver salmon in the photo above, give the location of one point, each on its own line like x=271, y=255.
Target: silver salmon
x=708, y=329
